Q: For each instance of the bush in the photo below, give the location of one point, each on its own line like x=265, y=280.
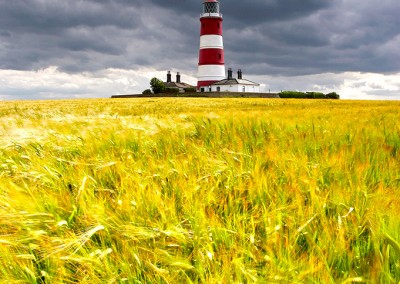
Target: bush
x=315, y=95
x=292, y=95
x=157, y=86
x=307, y=95
x=190, y=90
x=172, y=90
x=147, y=92
x=333, y=95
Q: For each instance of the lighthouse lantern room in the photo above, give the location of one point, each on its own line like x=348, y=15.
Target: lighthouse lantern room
x=211, y=67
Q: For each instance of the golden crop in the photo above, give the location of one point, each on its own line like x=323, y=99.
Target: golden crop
x=200, y=191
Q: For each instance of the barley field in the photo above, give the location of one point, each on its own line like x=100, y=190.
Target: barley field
x=200, y=191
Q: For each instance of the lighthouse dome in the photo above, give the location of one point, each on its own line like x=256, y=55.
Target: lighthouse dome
x=211, y=7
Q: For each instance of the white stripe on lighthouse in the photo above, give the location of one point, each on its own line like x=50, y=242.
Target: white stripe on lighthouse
x=203, y=15
x=211, y=41
x=211, y=72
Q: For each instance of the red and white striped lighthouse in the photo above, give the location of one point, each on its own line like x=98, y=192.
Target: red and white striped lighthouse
x=211, y=56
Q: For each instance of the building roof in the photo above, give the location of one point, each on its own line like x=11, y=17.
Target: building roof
x=177, y=85
x=235, y=81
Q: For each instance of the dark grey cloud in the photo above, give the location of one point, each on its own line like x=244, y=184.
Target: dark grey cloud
x=52, y=16
x=287, y=37
x=251, y=12
x=343, y=36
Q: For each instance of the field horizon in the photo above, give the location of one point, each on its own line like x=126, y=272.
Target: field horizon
x=199, y=190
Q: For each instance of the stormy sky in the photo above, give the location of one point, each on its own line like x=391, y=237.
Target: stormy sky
x=99, y=48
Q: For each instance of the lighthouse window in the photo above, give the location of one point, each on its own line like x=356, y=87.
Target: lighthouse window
x=211, y=7
x=220, y=56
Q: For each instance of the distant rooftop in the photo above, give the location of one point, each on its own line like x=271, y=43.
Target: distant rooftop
x=234, y=81
x=177, y=85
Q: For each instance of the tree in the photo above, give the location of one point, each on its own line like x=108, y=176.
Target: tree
x=157, y=86
x=333, y=95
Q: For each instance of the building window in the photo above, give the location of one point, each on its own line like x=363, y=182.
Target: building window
x=202, y=89
x=218, y=89
x=244, y=89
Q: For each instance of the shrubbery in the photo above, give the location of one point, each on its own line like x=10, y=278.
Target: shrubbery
x=171, y=90
x=190, y=90
x=315, y=95
x=332, y=95
x=157, y=86
x=307, y=95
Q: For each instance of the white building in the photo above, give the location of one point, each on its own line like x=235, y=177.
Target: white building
x=237, y=85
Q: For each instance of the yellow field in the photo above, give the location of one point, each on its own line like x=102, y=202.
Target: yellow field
x=200, y=191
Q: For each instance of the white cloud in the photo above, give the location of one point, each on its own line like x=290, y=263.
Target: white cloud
x=349, y=85
x=371, y=86
x=51, y=83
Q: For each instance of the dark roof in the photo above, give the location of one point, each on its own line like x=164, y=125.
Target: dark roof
x=235, y=81
x=177, y=85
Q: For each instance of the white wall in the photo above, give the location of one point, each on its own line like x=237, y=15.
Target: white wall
x=236, y=88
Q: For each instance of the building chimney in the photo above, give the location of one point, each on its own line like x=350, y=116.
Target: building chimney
x=178, y=77
x=239, y=74
x=169, y=77
x=230, y=74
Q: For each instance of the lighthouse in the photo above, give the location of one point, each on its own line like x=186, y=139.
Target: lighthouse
x=211, y=67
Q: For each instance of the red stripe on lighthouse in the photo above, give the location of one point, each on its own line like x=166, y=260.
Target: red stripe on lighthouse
x=211, y=26
x=209, y=56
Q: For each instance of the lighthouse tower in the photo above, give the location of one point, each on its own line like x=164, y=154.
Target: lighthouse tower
x=211, y=56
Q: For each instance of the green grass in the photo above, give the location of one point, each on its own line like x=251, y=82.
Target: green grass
x=200, y=191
